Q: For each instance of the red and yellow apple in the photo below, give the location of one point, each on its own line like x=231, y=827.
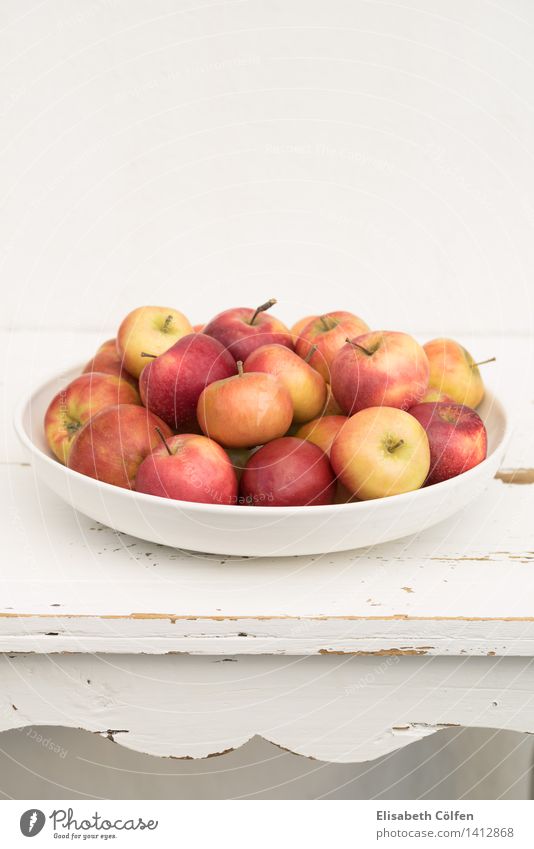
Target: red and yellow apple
x=189, y=467
x=304, y=384
x=242, y=330
x=381, y=451
x=383, y=368
x=434, y=396
x=74, y=405
x=245, y=410
x=288, y=472
x=149, y=330
x=332, y=408
x=170, y=385
x=327, y=333
x=297, y=328
x=107, y=361
x=454, y=372
x=114, y=443
x=457, y=438
x=322, y=431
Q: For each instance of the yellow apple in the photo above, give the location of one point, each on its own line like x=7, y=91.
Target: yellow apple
x=149, y=330
x=381, y=451
x=454, y=372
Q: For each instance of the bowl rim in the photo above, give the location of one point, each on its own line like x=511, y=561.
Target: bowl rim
x=236, y=509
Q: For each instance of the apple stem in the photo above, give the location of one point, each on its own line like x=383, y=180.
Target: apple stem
x=162, y=437
x=266, y=306
x=483, y=362
x=392, y=448
x=144, y=354
x=310, y=353
x=166, y=324
x=240, y=368
x=328, y=322
x=355, y=345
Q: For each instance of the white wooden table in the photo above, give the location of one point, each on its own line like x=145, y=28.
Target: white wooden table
x=341, y=657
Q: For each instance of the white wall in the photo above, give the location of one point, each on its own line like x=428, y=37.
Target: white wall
x=374, y=155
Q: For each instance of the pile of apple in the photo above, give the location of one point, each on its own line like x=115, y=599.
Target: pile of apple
x=246, y=411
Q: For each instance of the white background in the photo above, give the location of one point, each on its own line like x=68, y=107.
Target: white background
x=376, y=156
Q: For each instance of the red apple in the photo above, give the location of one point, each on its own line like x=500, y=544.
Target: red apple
x=381, y=451
x=241, y=330
x=454, y=372
x=245, y=410
x=305, y=385
x=107, y=361
x=327, y=333
x=114, y=443
x=171, y=384
x=150, y=330
x=322, y=431
x=288, y=472
x=73, y=406
x=457, y=438
x=379, y=369
x=189, y=467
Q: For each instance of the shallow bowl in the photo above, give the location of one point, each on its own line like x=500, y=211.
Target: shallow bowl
x=256, y=531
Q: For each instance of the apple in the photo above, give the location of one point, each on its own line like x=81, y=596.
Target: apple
x=241, y=330
x=457, y=438
x=343, y=495
x=381, y=451
x=332, y=408
x=305, y=385
x=299, y=326
x=114, y=443
x=454, y=372
x=382, y=368
x=74, y=405
x=188, y=467
x=435, y=396
x=170, y=385
x=328, y=333
x=149, y=330
x=198, y=328
x=322, y=431
x=245, y=410
x=288, y=472
x=239, y=458
x=107, y=361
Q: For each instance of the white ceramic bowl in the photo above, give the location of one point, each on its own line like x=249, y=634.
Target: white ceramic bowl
x=256, y=531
